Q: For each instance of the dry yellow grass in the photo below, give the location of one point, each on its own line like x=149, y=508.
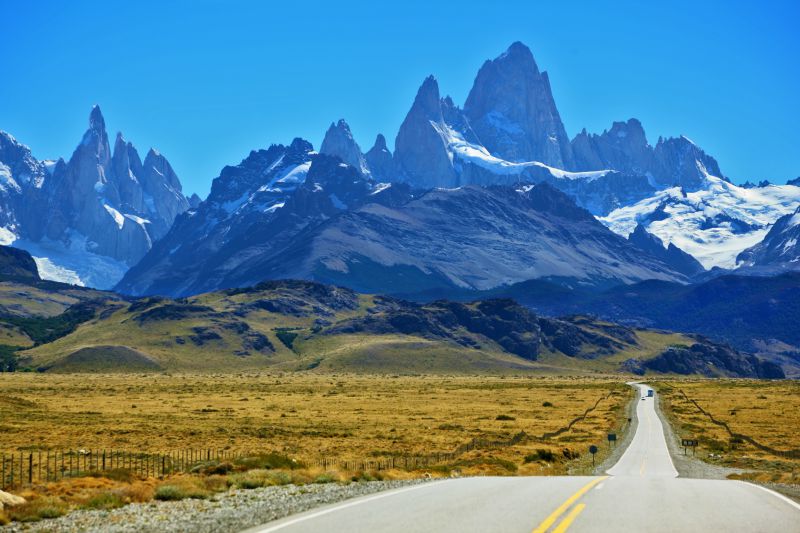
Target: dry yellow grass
x=768, y=412
x=307, y=416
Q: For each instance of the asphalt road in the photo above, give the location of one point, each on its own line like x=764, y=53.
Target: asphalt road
x=640, y=493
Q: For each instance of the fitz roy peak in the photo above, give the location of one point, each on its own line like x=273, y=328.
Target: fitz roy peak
x=512, y=111
x=87, y=220
x=414, y=220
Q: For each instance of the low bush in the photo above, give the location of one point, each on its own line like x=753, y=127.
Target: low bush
x=38, y=509
x=253, y=479
x=504, y=417
x=106, y=500
x=327, y=477
x=540, y=455
x=181, y=489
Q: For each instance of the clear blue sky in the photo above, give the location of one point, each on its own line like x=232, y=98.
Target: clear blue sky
x=206, y=82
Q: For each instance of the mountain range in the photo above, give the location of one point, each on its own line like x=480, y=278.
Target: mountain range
x=488, y=198
x=87, y=220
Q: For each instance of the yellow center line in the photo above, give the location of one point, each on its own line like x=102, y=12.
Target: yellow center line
x=564, y=525
x=550, y=520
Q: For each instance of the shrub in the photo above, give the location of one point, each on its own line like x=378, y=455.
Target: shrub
x=279, y=478
x=210, y=468
x=137, y=492
x=505, y=417
x=180, y=489
x=253, y=479
x=105, y=500
x=38, y=509
x=327, y=477
x=286, y=337
x=547, y=404
x=541, y=455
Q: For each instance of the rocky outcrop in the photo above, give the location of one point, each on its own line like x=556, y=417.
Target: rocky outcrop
x=17, y=264
x=512, y=111
x=379, y=160
x=779, y=251
x=671, y=255
x=339, y=142
x=708, y=359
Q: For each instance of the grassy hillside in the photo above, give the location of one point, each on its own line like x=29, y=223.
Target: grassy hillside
x=303, y=326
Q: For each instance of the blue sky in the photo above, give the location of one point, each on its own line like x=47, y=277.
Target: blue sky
x=206, y=82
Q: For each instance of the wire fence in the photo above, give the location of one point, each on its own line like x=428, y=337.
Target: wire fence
x=21, y=468
x=43, y=466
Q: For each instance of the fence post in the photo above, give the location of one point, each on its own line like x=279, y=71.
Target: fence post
x=30, y=467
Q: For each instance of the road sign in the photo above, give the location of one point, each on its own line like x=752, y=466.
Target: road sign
x=612, y=436
x=592, y=450
x=689, y=443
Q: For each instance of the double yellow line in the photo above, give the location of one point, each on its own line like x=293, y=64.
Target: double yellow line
x=564, y=525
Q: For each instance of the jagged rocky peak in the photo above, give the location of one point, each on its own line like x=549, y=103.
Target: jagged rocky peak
x=96, y=120
x=623, y=148
x=779, y=250
x=96, y=139
x=339, y=142
x=18, y=163
x=379, y=160
x=679, y=161
x=512, y=110
x=671, y=255
x=265, y=176
x=194, y=200
x=160, y=171
x=421, y=154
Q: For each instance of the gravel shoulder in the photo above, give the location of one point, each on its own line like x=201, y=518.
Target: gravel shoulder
x=230, y=511
x=693, y=467
x=687, y=465
x=623, y=443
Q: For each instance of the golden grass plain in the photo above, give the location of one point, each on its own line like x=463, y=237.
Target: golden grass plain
x=306, y=416
x=767, y=411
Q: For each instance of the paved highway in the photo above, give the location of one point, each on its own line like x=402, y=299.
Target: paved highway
x=640, y=493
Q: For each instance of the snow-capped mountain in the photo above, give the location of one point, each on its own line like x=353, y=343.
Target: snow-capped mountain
x=778, y=251
x=87, y=220
x=714, y=223
x=254, y=208
x=343, y=227
x=510, y=135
